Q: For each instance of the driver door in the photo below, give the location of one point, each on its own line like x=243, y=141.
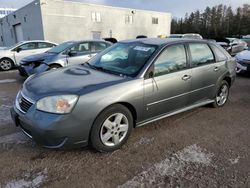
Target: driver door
x=25, y=50
x=168, y=87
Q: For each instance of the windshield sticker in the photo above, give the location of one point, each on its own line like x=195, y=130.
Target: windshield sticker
x=141, y=48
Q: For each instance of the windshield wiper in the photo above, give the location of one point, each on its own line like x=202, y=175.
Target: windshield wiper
x=102, y=69
x=91, y=66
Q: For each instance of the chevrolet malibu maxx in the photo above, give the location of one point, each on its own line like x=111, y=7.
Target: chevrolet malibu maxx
x=130, y=84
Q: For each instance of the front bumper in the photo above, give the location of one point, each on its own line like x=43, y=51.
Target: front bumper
x=29, y=69
x=51, y=130
x=243, y=67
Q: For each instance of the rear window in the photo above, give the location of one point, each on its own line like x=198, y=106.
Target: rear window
x=201, y=54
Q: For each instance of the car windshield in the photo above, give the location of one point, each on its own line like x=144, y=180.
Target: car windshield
x=60, y=48
x=123, y=58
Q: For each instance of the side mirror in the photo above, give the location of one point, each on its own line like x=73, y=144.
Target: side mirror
x=72, y=53
x=18, y=50
x=151, y=74
x=234, y=44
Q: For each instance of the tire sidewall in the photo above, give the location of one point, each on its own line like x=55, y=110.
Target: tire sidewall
x=95, y=139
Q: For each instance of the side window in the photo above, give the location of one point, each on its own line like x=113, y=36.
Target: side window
x=201, y=54
x=28, y=46
x=220, y=56
x=45, y=45
x=81, y=47
x=98, y=46
x=171, y=60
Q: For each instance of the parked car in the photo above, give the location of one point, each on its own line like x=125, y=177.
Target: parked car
x=11, y=56
x=187, y=35
x=128, y=85
x=67, y=53
x=233, y=45
x=247, y=40
x=112, y=40
x=141, y=37
x=243, y=61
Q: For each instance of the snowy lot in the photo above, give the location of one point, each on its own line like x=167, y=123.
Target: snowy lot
x=204, y=147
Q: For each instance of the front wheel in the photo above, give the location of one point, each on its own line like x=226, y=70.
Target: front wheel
x=111, y=129
x=6, y=64
x=222, y=95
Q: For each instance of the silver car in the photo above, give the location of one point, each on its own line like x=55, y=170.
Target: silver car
x=128, y=85
x=243, y=62
x=11, y=56
x=65, y=54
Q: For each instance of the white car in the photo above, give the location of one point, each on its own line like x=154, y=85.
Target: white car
x=11, y=56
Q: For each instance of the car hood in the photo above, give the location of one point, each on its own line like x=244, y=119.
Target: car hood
x=45, y=57
x=3, y=52
x=244, y=55
x=76, y=80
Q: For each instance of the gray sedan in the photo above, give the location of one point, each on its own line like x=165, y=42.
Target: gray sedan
x=128, y=85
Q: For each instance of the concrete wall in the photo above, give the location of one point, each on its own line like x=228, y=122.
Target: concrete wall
x=31, y=22
x=59, y=21
x=64, y=21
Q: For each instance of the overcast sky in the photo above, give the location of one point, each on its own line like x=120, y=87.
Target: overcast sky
x=178, y=8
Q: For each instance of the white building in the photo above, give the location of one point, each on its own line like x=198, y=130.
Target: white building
x=6, y=11
x=59, y=20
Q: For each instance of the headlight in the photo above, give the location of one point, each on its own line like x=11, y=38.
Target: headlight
x=62, y=104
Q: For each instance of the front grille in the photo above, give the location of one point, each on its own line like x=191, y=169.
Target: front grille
x=24, y=104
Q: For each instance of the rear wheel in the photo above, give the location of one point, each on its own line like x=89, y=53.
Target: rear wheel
x=6, y=64
x=222, y=95
x=111, y=128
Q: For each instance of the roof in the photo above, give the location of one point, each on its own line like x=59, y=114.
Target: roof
x=162, y=41
x=26, y=41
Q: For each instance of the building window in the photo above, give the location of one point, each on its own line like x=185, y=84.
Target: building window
x=129, y=19
x=155, y=20
x=96, y=17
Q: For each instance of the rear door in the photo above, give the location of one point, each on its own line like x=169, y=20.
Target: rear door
x=168, y=89
x=205, y=72
x=81, y=53
x=44, y=46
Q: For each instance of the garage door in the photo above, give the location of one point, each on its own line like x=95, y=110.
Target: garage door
x=18, y=32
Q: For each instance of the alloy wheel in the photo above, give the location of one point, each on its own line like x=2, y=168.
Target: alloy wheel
x=5, y=65
x=222, y=95
x=114, y=129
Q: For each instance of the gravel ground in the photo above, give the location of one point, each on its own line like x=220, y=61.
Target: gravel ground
x=204, y=147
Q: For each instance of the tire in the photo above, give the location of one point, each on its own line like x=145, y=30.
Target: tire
x=53, y=67
x=221, y=96
x=6, y=64
x=111, y=128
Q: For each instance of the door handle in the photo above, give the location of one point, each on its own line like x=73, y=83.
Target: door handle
x=216, y=69
x=186, y=77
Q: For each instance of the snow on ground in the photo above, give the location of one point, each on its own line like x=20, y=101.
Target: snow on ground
x=170, y=167
x=29, y=180
x=234, y=161
x=5, y=81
